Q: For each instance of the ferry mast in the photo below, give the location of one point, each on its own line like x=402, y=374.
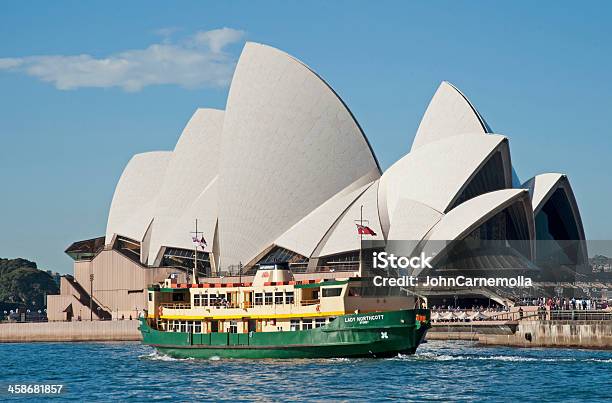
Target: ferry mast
x=196, y=243
x=362, y=229
x=360, y=232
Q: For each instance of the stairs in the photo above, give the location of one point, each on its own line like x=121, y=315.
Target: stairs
x=84, y=298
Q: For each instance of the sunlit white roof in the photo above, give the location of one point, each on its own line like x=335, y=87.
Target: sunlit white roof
x=449, y=114
x=435, y=173
x=135, y=196
x=289, y=145
x=187, y=191
x=288, y=165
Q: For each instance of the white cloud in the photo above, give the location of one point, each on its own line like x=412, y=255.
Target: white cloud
x=217, y=39
x=9, y=63
x=198, y=61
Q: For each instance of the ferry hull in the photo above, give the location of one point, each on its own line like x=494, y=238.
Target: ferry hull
x=381, y=334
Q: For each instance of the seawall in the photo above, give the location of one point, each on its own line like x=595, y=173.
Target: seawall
x=579, y=334
x=116, y=330
x=469, y=331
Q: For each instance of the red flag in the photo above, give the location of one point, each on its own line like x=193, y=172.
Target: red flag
x=365, y=230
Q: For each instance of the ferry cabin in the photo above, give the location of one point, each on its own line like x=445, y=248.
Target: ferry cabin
x=273, y=302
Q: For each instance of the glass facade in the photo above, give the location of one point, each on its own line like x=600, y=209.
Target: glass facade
x=490, y=177
x=557, y=231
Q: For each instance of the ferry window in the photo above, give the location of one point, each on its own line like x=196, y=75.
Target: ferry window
x=289, y=297
x=278, y=297
x=331, y=319
x=222, y=300
x=319, y=322
x=233, y=326
x=306, y=324
x=197, y=327
x=183, y=326
x=332, y=292
x=150, y=296
x=196, y=300
x=353, y=292
x=178, y=296
x=258, y=298
x=248, y=299
x=268, y=298
x=295, y=325
x=213, y=300
x=204, y=299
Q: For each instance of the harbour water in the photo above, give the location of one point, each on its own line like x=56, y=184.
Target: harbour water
x=440, y=371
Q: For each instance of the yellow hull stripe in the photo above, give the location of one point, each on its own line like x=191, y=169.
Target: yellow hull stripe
x=263, y=316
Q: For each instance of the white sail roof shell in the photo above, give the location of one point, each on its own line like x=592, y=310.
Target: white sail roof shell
x=542, y=187
x=135, y=195
x=410, y=223
x=435, y=173
x=343, y=236
x=289, y=144
x=187, y=191
x=467, y=216
x=306, y=234
x=287, y=164
x=449, y=114
x=204, y=209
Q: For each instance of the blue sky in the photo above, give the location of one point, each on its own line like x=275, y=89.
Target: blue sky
x=539, y=72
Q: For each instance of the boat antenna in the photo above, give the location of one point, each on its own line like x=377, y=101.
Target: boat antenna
x=194, y=279
x=361, y=242
x=360, y=232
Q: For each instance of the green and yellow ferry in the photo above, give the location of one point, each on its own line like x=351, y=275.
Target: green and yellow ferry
x=276, y=316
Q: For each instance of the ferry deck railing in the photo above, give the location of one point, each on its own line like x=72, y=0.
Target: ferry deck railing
x=171, y=305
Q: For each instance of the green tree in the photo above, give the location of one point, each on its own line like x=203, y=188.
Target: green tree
x=23, y=285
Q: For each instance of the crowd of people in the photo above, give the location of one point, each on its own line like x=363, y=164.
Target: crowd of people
x=543, y=308
x=566, y=304
x=474, y=308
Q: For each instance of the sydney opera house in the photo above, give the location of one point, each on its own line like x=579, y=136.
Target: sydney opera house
x=285, y=172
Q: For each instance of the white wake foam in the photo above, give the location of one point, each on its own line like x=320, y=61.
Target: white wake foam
x=157, y=356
